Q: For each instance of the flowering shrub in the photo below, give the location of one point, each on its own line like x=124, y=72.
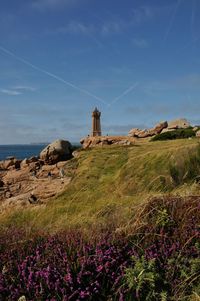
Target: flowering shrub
x=156, y=262
x=62, y=267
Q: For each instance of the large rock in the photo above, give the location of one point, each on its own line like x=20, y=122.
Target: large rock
x=198, y=134
x=181, y=123
x=59, y=150
x=33, y=161
x=8, y=163
x=148, y=132
x=176, y=124
x=24, y=163
x=11, y=163
x=143, y=134
x=1, y=165
x=167, y=130
x=86, y=142
x=100, y=141
x=134, y=132
x=158, y=128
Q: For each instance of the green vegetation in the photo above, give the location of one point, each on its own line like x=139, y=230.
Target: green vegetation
x=176, y=134
x=143, y=277
x=187, y=170
x=109, y=183
x=125, y=228
x=158, y=259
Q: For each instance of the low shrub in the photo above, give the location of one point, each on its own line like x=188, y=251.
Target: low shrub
x=176, y=134
x=158, y=260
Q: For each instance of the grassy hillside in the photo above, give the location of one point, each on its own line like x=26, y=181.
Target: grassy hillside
x=114, y=240
x=110, y=183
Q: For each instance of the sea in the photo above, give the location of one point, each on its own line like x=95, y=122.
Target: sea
x=22, y=151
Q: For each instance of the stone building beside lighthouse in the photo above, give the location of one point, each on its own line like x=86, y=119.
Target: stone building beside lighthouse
x=96, y=123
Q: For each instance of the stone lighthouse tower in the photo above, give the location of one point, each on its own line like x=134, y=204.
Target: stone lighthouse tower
x=96, y=124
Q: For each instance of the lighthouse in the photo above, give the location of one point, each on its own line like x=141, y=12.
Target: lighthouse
x=96, y=123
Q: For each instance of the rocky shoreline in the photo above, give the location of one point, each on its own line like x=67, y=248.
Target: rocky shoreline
x=19, y=185
x=42, y=177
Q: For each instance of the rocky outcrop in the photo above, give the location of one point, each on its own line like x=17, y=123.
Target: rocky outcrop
x=158, y=128
x=59, y=150
x=148, y=132
x=177, y=124
x=10, y=163
x=167, y=130
x=16, y=186
x=161, y=127
x=24, y=163
x=106, y=140
x=33, y=163
x=134, y=132
x=143, y=134
x=21, y=179
x=181, y=123
x=198, y=134
x=32, y=159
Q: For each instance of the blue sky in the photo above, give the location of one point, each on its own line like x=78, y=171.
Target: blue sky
x=136, y=60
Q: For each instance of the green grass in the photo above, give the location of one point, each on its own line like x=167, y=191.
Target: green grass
x=109, y=183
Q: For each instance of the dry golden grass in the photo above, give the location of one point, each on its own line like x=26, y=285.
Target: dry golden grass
x=110, y=186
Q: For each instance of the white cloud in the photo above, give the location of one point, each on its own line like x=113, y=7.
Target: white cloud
x=10, y=92
x=17, y=90
x=24, y=88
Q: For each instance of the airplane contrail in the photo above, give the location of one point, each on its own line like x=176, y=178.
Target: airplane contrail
x=123, y=94
x=194, y=36
x=66, y=82
x=172, y=19
x=51, y=74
